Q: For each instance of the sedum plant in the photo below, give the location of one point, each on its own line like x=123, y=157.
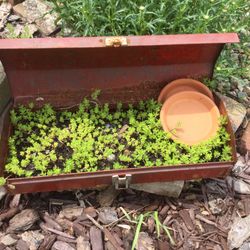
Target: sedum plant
x=94, y=137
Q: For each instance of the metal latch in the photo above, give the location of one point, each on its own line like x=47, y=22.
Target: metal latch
x=121, y=182
x=116, y=41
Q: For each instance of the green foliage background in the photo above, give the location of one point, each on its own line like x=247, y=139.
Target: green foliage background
x=141, y=17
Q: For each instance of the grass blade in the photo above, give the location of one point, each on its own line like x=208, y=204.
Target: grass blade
x=126, y=214
x=157, y=224
x=138, y=229
x=168, y=234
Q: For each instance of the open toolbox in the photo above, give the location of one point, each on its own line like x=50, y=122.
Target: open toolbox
x=62, y=71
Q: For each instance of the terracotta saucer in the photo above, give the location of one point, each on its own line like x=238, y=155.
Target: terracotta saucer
x=184, y=84
x=190, y=117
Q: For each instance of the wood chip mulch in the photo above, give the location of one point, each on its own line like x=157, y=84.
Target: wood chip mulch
x=199, y=219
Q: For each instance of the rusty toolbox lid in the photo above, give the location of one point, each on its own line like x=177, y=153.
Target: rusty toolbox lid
x=63, y=70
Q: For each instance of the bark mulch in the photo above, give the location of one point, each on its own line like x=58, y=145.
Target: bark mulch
x=199, y=219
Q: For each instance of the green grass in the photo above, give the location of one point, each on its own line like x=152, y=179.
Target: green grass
x=137, y=231
x=158, y=226
x=142, y=17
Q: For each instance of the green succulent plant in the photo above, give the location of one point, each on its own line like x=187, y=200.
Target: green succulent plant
x=50, y=142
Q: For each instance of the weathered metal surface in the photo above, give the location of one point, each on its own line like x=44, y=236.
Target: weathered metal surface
x=62, y=71
x=133, y=41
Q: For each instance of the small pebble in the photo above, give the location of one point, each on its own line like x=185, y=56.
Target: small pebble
x=108, y=125
x=111, y=158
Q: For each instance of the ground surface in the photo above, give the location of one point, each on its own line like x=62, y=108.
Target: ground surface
x=200, y=219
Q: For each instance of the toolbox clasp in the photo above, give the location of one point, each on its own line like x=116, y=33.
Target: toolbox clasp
x=116, y=41
x=121, y=182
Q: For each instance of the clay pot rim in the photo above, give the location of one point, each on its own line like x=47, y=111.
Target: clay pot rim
x=181, y=81
x=216, y=113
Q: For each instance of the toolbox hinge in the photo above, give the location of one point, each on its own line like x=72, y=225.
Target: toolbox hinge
x=116, y=41
x=121, y=182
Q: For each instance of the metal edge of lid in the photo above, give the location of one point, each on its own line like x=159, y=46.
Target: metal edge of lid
x=93, y=42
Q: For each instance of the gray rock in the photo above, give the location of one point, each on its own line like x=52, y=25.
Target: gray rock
x=2, y=192
x=5, y=9
x=38, y=12
x=60, y=245
x=239, y=232
x=23, y=221
x=82, y=244
x=71, y=213
x=239, y=166
x=33, y=239
x=171, y=189
x=111, y=158
x=238, y=185
x=13, y=18
x=245, y=246
x=107, y=215
x=8, y=240
x=236, y=111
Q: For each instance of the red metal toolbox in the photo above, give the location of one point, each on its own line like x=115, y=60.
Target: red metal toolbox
x=62, y=71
